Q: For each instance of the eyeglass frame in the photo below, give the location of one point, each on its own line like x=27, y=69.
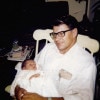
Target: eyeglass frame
x=53, y=35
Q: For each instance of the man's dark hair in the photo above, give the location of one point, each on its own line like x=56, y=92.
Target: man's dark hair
x=69, y=20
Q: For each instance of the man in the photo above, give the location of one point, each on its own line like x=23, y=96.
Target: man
x=71, y=68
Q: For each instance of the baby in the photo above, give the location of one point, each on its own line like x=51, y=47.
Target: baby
x=30, y=65
x=33, y=80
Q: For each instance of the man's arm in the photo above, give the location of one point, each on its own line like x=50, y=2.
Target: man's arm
x=22, y=94
x=19, y=92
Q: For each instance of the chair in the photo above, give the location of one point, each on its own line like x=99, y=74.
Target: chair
x=41, y=34
x=85, y=41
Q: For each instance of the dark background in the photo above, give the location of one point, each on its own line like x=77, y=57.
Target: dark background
x=21, y=18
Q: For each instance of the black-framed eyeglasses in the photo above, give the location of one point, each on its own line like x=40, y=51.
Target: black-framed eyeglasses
x=59, y=34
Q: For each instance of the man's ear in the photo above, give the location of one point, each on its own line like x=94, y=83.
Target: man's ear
x=75, y=32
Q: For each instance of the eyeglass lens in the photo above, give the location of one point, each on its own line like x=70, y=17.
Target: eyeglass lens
x=60, y=34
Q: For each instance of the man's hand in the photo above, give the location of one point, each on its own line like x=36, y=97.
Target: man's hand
x=65, y=74
x=19, y=92
x=33, y=96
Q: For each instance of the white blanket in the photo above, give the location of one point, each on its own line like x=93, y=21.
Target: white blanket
x=40, y=85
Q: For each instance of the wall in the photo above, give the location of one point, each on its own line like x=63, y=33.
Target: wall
x=75, y=9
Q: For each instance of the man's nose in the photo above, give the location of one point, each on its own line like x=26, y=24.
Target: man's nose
x=57, y=38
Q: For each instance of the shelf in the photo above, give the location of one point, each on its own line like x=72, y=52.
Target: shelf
x=22, y=58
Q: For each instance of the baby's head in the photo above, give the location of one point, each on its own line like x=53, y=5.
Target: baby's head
x=29, y=64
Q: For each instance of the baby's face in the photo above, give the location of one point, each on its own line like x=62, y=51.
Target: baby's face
x=30, y=65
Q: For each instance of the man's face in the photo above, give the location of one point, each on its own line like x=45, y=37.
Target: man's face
x=67, y=41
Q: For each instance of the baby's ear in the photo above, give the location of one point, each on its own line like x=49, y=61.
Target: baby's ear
x=65, y=74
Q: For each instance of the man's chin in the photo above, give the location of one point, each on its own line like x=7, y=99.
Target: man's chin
x=60, y=49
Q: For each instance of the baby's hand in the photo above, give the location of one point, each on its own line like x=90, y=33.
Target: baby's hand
x=34, y=76
x=65, y=74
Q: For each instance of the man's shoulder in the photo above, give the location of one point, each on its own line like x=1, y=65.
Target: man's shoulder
x=83, y=54
x=50, y=45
